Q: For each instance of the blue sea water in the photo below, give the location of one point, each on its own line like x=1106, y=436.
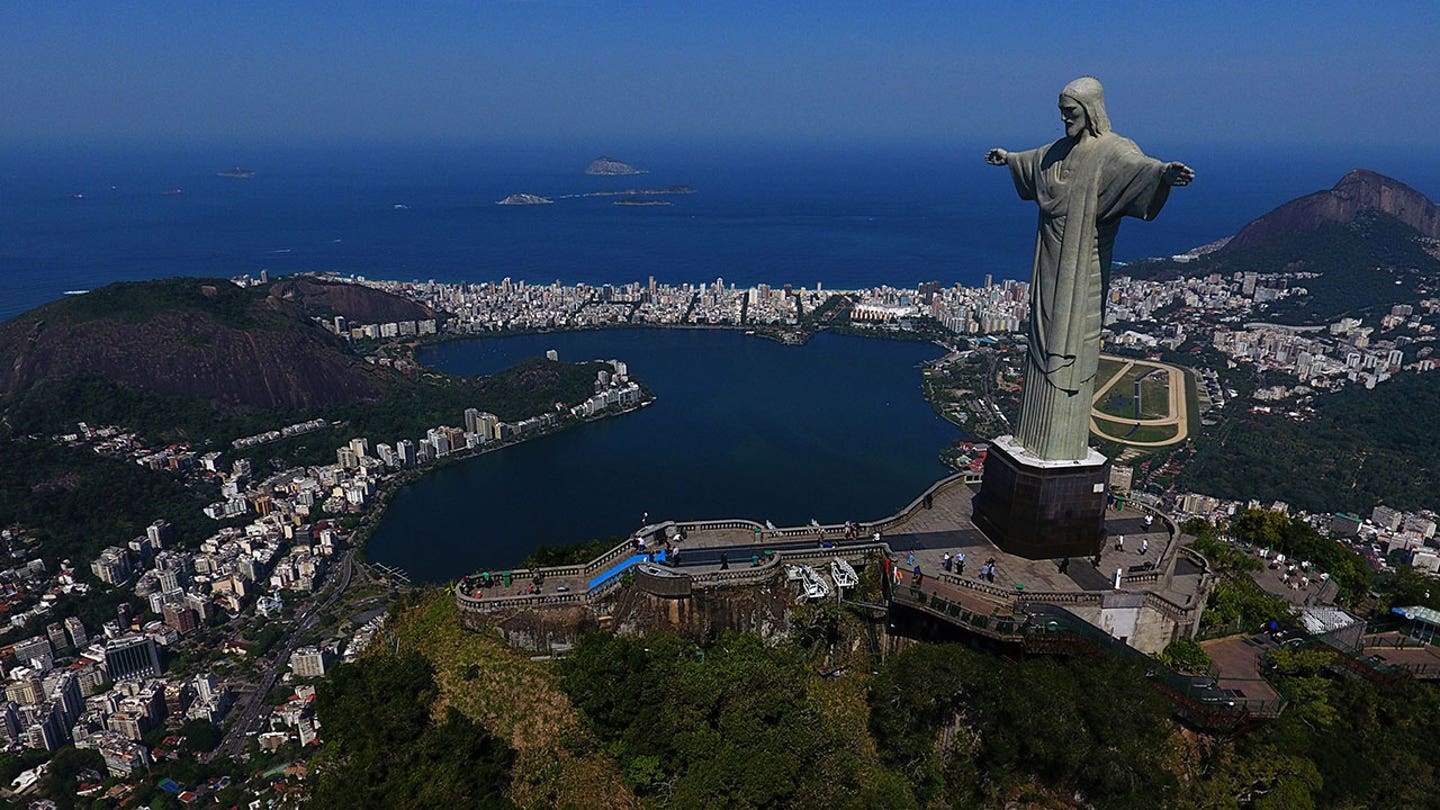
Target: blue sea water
x=844, y=216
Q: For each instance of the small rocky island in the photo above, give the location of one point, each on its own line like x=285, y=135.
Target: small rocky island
x=525, y=199
x=630, y=192
x=609, y=166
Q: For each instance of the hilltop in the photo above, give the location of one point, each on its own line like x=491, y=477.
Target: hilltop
x=610, y=166
x=235, y=347
x=357, y=303
x=1365, y=244
x=1359, y=190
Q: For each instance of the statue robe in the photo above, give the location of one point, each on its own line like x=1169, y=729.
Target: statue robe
x=1083, y=189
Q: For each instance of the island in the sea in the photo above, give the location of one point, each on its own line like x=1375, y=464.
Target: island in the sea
x=630, y=192
x=610, y=167
x=525, y=199
x=237, y=173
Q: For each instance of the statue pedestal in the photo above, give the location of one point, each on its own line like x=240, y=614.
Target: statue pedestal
x=1042, y=509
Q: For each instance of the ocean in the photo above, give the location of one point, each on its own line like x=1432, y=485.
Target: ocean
x=843, y=216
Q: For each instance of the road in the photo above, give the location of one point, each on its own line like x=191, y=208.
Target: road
x=234, y=742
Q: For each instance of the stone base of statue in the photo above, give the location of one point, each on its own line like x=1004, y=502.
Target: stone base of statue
x=1042, y=509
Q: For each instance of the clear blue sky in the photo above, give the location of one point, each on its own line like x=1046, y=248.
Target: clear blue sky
x=1270, y=72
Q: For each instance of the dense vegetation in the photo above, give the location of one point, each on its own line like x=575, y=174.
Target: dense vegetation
x=530, y=387
x=67, y=498
x=1361, y=447
x=733, y=725
x=1342, y=742
x=739, y=723
x=385, y=748
x=139, y=301
x=967, y=730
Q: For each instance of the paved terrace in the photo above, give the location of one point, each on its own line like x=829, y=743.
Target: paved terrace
x=935, y=524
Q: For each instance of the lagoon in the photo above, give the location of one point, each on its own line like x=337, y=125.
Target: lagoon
x=742, y=427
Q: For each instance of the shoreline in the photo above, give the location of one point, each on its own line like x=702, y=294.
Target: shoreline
x=391, y=484
x=396, y=481
x=788, y=336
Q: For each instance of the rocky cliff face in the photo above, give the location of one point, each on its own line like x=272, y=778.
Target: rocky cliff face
x=200, y=338
x=357, y=303
x=1360, y=190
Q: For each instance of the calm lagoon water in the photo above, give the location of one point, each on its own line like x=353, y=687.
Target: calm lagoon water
x=742, y=427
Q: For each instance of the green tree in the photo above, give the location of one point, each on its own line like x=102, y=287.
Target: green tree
x=729, y=725
x=969, y=728
x=201, y=735
x=382, y=748
x=60, y=778
x=1185, y=655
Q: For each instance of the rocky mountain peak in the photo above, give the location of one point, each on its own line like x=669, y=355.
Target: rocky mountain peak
x=1359, y=190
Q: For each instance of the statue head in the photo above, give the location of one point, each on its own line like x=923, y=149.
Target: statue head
x=1086, y=94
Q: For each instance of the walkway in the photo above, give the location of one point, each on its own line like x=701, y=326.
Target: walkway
x=919, y=535
x=1236, y=663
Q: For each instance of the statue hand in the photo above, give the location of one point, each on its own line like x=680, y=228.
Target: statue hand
x=1177, y=174
x=997, y=157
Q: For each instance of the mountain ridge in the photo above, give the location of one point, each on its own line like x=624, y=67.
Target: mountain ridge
x=1359, y=190
x=201, y=338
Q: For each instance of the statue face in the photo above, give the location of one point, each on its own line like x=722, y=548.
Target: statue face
x=1072, y=114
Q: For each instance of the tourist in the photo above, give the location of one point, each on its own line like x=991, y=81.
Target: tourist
x=959, y=563
x=1144, y=546
x=911, y=559
x=917, y=575
x=1119, y=542
x=1065, y=565
x=945, y=562
x=724, y=561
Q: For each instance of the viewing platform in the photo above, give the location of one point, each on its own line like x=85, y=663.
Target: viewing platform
x=1145, y=591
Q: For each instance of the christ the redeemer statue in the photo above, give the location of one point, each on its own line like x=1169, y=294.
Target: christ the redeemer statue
x=1083, y=183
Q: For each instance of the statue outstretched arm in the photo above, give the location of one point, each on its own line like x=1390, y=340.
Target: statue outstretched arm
x=1177, y=174
x=999, y=157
